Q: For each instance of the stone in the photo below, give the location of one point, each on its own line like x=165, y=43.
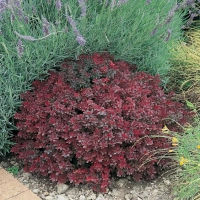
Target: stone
x=36, y=191
x=49, y=198
x=100, y=197
x=155, y=191
x=92, y=196
x=62, y=188
x=12, y=162
x=127, y=197
x=148, y=188
x=82, y=197
x=167, y=182
x=71, y=197
x=145, y=194
x=4, y=164
x=27, y=175
x=115, y=192
x=122, y=182
x=46, y=193
x=62, y=197
x=72, y=191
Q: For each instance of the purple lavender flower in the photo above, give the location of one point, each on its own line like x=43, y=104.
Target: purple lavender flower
x=120, y=2
x=3, y=6
x=25, y=37
x=17, y=3
x=26, y=19
x=154, y=32
x=12, y=17
x=190, y=2
x=83, y=7
x=113, y=4
x=80, y=40
x=73, y=24
x=168, y=20
x=45, y=26
x=148, y=2
x=18, y=8
x=192, y=16
x=58, y=5
x=79, y=37
x=34, y=10
x=168, y=35
x=20, y=48
x=171, y=13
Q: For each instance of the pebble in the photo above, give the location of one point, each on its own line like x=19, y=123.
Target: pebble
x=92, y=196
x=12, y=162
x=46, y=193
x=167, y=182
x=127, y=197
x=115, y=192
x=100, y=197
x=4, y=164
x=122, y=182
x=155, y=191
x=62, y=188
x=50, y=198
x=36, y=191
x=62, y=197
x=27, y=175
x=82, y=197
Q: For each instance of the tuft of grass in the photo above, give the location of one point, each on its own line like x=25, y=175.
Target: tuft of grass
x=187, y=154
x=185, y=72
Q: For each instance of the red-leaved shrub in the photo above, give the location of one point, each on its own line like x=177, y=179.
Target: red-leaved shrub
x=83, y=135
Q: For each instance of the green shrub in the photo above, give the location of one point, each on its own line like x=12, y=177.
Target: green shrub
x=35, y=35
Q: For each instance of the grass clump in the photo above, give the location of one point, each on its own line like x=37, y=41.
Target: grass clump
x=187, y=154
x=185, y=72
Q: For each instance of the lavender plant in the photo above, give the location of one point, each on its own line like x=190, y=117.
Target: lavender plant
x=35, y=35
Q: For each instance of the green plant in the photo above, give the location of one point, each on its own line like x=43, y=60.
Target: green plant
x=185, y=72
x=35, y=35
x=14, y=170
x=188, y=156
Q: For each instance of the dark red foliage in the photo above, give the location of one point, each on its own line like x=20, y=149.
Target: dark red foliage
x=83, y=136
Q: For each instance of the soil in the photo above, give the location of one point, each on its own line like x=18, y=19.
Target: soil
x=120, y=188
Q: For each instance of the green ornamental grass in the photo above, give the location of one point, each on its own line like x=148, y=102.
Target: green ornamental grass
x=187, y=154
x=185, y=72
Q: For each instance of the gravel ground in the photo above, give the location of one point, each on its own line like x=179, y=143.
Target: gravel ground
x=120, y=189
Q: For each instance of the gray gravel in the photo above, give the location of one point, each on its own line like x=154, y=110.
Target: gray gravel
x=120, y=189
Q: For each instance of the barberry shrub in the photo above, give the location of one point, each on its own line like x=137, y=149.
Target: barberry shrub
x=85, y=132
